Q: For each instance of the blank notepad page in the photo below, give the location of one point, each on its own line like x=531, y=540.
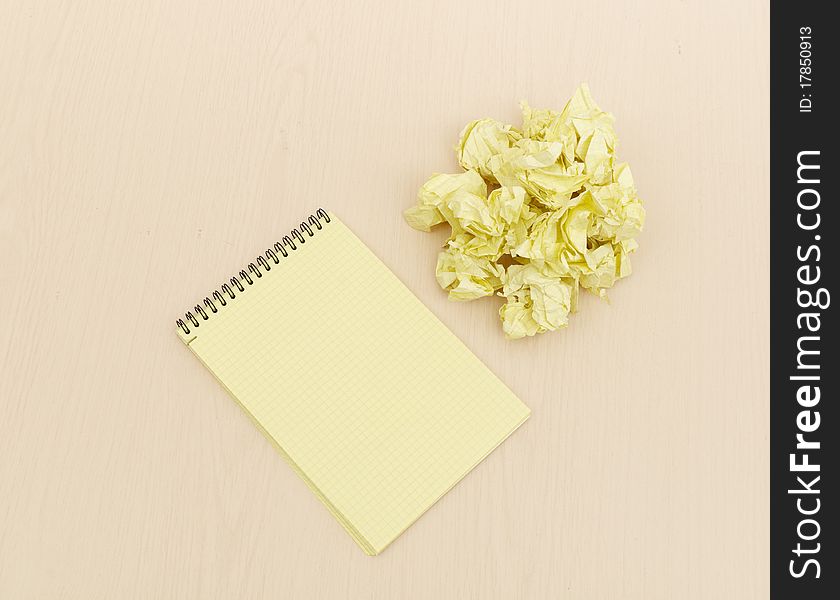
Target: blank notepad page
x=371, y=399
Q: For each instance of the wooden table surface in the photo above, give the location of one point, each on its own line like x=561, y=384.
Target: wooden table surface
x=150, y=148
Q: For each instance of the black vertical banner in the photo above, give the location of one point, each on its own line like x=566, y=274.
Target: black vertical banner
x=804, y=559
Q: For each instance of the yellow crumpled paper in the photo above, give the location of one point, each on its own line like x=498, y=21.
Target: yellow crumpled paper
x=549, y=200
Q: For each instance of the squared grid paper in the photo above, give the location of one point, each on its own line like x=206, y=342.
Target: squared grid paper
x=371, y=399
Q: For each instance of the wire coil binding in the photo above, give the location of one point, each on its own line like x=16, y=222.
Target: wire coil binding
x=253, y=271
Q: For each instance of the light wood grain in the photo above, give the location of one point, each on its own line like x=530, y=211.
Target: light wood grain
x=148, y=149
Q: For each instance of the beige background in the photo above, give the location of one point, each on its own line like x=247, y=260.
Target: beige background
x=149, y=149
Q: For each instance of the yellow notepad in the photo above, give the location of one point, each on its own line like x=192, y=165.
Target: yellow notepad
x=372, y=400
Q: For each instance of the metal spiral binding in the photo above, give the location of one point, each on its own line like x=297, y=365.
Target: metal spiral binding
x=255, y=270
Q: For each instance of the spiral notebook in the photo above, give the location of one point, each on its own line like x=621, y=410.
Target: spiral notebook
x=375, y=404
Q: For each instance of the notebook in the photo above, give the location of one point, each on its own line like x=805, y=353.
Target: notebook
x=375, y=404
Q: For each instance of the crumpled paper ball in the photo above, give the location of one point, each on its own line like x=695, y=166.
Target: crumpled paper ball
x=549, y=200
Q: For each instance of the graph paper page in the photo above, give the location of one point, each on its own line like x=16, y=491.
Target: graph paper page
x=374, y=402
